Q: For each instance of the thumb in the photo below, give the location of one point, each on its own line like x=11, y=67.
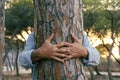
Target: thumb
x=75, y=37
x=80, y=40
x=50, y=37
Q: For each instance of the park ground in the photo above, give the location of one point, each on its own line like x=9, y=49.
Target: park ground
x=26, y=75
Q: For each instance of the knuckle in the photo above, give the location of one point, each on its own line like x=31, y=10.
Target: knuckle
x=54, y=50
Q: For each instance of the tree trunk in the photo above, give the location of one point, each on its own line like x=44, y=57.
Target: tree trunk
x=2, y=17
x=91, y=73
x=9, y=64
x=109, y=66
x=96, y=70
x=60, y=17
x=16, y=59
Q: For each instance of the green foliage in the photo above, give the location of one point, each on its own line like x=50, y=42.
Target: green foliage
x=90, y=19
x=19, y=16
x=101, y=48
x=102, y=25
x=97, y=15
x=116, y=24
x=114, y=18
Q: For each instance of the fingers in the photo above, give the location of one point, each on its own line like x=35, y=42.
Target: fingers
x=50, y=38
x=63, y=44
x=80, y=40
x=62, y=55
x=69, y=57
x=74, y=37
x=62, y=50
x=58, y=59
x=66, y=54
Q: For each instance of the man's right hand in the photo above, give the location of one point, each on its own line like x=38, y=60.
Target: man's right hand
x=49, y=51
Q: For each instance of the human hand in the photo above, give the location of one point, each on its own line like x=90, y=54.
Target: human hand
x=50, y=51
x=76, y=49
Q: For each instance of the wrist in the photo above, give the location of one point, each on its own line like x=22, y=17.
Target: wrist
x=35, y=56
x=85, y=53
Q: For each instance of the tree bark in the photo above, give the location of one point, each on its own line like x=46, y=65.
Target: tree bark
x=60, y=17
x=2, y=17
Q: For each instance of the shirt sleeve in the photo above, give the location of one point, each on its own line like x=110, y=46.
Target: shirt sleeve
x=25, y=57
x=93, y=55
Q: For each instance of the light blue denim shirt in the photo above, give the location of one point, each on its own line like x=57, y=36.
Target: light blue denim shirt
x=26, y=62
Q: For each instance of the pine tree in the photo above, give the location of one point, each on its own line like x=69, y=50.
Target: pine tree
x=60, y=17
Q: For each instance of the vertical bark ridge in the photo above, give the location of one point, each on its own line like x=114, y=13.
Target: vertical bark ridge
x=82, y=72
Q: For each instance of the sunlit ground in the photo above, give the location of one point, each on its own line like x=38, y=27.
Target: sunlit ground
x=21, y=71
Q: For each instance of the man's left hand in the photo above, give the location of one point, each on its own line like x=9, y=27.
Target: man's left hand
x=76, y=49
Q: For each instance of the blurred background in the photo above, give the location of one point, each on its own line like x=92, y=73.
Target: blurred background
x=101, y=24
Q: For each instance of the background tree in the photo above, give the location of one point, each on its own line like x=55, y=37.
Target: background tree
x=19, y=19
x=2, y=18
x=109, y=23
x=61, y=18
x=19, y=16
x=102, y=17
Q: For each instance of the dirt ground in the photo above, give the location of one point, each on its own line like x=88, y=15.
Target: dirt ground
x=20, y=77
x=105, y=77
x=27, y=76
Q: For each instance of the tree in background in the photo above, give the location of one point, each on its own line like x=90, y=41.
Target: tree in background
x=2, y=18
x=19, y=18
x=102, y=17
x=110, y=24
x=61, y=18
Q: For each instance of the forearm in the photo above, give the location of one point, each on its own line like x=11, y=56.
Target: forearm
x=25, y=59
x=93, y=54
x=93, y=57
x=85, y=52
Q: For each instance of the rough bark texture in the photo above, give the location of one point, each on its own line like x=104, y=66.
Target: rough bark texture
x=60, y=17
x=1, y=34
